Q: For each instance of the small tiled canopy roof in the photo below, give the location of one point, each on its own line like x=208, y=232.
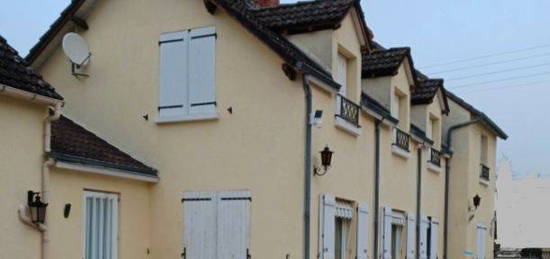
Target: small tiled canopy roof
x=425, y=91
x=15, y=73
x=384, y=62
x=71, y=142
x=305, y=16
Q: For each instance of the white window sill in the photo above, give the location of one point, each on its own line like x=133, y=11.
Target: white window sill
x=484, y=182
x=346, y=126
x=400, y=152
x=434, y=168
x=187, y=117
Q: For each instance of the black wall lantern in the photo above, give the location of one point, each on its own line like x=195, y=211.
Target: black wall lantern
x=326, y=159
x=37, y=207
x=477, y=201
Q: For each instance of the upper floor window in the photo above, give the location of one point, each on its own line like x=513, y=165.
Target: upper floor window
x=399, y=106
x=484, y=150
x=187, y=74
x=341, y=75
x=433, y=129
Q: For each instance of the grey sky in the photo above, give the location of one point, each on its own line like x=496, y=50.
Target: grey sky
x=438, y=32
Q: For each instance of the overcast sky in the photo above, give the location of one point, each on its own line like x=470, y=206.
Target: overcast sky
x=506, y=42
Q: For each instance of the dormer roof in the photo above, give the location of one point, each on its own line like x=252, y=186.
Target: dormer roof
x=385, y=62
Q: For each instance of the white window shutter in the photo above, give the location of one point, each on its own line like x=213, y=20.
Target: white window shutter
x=233, y=224
x=434, y=239
x=101, y=229
x=424, y=224
x=362, y=231
x=387, y=234
x=481, y=241
x=202, y=73
x=199, y=226
x=327, y=213
x=173, y=73
x=411, y=236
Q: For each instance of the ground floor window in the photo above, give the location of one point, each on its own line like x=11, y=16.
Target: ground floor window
x=341, y=238
x=101, y=225
x=481, y=241
x=396, y=232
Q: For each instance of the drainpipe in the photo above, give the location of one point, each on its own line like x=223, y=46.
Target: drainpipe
x=307, y=168
x=377, y=184
x=447, y=175
x=54, y=114
x=418, y=200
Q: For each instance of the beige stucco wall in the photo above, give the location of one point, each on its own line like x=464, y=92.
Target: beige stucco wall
x=66, y=234
x=20, y=171
x=465, y=184
x=315, y=45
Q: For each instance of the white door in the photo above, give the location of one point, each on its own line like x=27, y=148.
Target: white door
x=101, y=229
x=481, y=241
x=424, y=225
x=434, y=239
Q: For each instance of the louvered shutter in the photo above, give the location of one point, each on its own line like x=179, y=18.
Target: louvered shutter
x=434, y=239
x=202, y=60
x=425, y=223
x=387, y=234
x=362, y=231
x=411, y=236
x=199, y=226
x=101, y=230
x=327, y=210
x=173, y=73
x=234, y=224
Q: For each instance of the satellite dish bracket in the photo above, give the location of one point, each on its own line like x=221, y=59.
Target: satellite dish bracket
x=75, y=66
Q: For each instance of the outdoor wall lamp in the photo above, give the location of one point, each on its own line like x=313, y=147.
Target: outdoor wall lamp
x=477, y=201
x=37, y=207
x=326, y=159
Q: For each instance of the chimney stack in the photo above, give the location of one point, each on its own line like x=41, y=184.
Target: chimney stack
x=266, y=3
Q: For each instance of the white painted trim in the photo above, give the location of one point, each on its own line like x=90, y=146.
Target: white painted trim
x=484, y=182
x=107, y=172
x=434, y=168
x=346, y=126
x=400, y=152
x=318, y=83
x=28, y=96
x=187, y=118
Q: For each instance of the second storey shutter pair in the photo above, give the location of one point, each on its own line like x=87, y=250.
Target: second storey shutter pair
x=187, y=73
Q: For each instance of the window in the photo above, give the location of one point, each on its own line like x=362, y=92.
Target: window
x=335, y=228
x=395, y=106
x=392, y=237
x=101, y=225
x=341, y=75
x=341, y=238
x=396, y=231
x=187, y=75
x=216, y=224
x=484, y=149
x=399, y=107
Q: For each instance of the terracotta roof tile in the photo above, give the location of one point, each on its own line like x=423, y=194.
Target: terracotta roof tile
x=15, y=73
x=425, y=91
x=73, y=142
x=305, y=16
x=383, y=62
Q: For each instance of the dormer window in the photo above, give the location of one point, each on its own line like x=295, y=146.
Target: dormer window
x=399, y=107
x=341, y=75
x=433, y=129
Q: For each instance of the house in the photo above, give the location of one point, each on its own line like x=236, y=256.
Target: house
x=228, y=112
x=63, y=164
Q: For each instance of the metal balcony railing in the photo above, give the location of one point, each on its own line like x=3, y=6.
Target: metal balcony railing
x=435, y=157
x=348, y=110
x=484, y=173
x=401, y=139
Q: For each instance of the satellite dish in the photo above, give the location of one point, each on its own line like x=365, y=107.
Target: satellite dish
x=76, y=49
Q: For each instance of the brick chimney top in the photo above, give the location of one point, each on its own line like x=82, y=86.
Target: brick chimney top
x=266, y=3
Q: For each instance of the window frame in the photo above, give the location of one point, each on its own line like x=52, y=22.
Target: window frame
x=116, y=223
